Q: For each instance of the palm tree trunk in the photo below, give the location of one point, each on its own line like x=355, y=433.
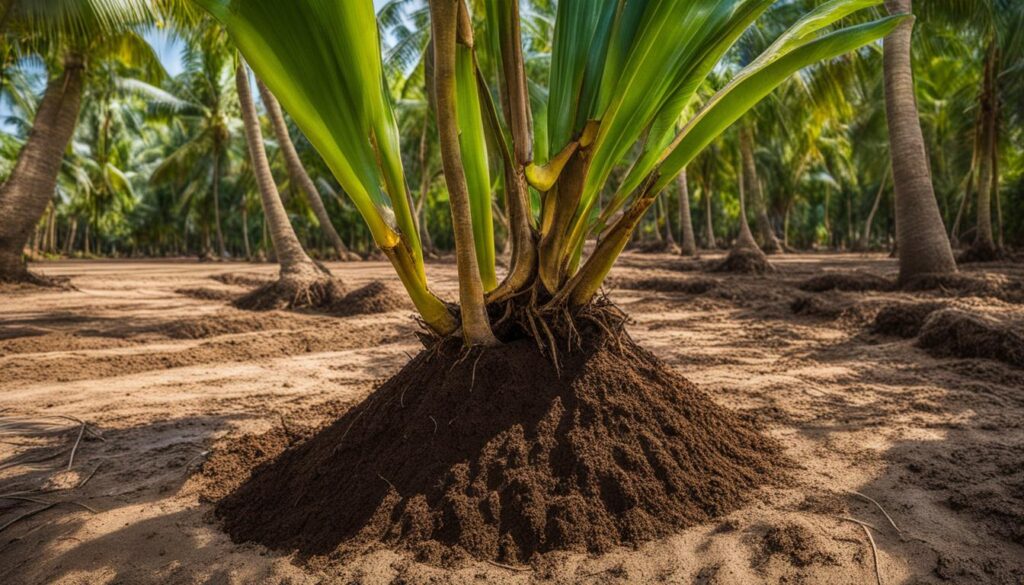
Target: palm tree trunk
x=745, y=239
x=709, y=225
x=30, y=187
x=290, y=255
x=688, y=245
x=245, y=231
x=216, y=206
x=298, y=172
x=921, y=237
x=769, y=242
x=476, y=327
x=865, y=237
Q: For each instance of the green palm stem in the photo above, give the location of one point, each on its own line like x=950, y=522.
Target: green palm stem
x=476, y=327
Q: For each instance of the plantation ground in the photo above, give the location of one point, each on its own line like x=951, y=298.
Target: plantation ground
x=179, y=385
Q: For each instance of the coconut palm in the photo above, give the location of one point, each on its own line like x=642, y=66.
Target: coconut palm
x=72, y=37
x=301, y=282
x=921, y=238
x=596, y=112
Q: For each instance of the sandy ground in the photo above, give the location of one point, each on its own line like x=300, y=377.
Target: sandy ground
x=163, y=379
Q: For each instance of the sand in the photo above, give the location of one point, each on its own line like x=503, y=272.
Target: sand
x=170, y=380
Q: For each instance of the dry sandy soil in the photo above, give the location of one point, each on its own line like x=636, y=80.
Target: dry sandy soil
x=168, y=382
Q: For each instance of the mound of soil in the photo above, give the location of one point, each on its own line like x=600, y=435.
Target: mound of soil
x=214, y=325
x=795, y=544
x=495, y=454
x=376, y=297
x=903, y=319
x=207, y=293
x=979, y=253
x=745, y=261
x=952, y=332
x=286, y=293
x=834, y=306
x=242, y=279
x=846, y=281
x=666, y=284
x=656, y=247
x=1011, y=291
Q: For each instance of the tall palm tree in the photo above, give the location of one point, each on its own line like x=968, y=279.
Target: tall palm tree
x=75, y=35
x=298, y=172
x=921, y=237
x=688, y=243
x=301, y=282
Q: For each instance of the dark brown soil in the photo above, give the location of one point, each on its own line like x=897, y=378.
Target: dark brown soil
x=847, y=281
x=745, y=261
x=952, y=332
x=376, y=297
x=903, y=319
x=666, y=284
x=494, y=454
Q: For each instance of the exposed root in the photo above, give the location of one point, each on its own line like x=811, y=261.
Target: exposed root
x=294, y=292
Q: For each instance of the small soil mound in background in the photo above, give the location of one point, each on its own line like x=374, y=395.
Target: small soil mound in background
x=1011, y=291
x=666, y=284
x=286, y=293
x=952, y=332
x=214, y=325
x=207, y=293
x=795, y=544
x=833, y=306
x=376, y=297
x=243, y=279
x=496, y=454
x=846, y=281
x=979, y=253
x=745, y=261
x=903, y=319
x=656, y=247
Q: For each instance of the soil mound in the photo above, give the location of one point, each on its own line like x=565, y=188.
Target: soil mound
x=214, y=325
x=242, y=279
x=1009, y=290
x=952, y=332
x=846, y=281
x=493, y=453
x=745, y=261
x=376, y=297
x=656, y=247
x=666, y=284
x=903, y=319
x=795, y=544
x=979, y=253
x=287, y=293
x=833, y=306
x=207, y=294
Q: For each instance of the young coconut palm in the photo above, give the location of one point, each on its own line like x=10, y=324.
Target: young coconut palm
x=621, y=73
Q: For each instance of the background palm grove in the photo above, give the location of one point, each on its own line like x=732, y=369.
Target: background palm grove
x=570, y=291
x=157, y=164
